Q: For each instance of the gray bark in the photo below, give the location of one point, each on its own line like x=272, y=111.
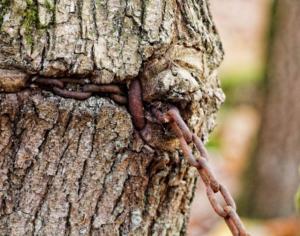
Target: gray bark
x=273, y=174
x=77, y=167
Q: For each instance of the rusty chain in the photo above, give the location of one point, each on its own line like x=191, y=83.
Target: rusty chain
x=178, y=126
x=213, y=187
x=85, y=91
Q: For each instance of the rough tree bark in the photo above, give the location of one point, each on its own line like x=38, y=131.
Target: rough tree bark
x=73, y=167
x=273, y=174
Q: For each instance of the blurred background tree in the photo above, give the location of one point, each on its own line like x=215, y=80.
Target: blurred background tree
x=272, y=178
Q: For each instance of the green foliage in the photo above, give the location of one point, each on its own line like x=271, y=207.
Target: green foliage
x=240, y=77
x=297, y=198
x=239, y=85
x=213, y=143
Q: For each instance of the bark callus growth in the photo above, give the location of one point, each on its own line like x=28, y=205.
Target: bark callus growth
x=12, y=81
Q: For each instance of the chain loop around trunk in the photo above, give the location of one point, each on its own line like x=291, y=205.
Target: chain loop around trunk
x=85, y=91
x=134, y=100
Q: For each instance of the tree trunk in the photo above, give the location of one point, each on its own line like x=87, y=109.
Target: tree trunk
x=274, y=170
x=72, y=167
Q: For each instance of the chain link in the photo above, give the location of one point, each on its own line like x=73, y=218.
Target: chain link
x=213, y=187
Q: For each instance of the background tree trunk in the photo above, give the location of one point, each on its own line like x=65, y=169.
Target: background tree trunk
x=273, y=174
x=73, y=167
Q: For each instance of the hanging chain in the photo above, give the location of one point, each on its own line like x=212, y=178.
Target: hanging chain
x=213, y=187
x=172, y=117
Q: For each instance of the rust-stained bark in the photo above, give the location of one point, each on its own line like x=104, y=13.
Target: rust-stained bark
x=72, y=167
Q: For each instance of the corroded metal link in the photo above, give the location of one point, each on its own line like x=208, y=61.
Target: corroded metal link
x=119, y=99
x=227, y=197
x=199, y=145
x=185, y=136
x=177, y=131
x=204, y=177
x=175, y=115
x=219, y=209
x=74, y=81
x=71, y=94
x=187, y=152
x=135, y=104
x=232, y=227
x=49, y=82
x=161, y=117
x=102, y=88
x=214, y=202
x=232, y=214
x=206, y=169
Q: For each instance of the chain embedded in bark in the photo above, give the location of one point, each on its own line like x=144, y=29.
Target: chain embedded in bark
x=171, y=116
x=86, y=90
